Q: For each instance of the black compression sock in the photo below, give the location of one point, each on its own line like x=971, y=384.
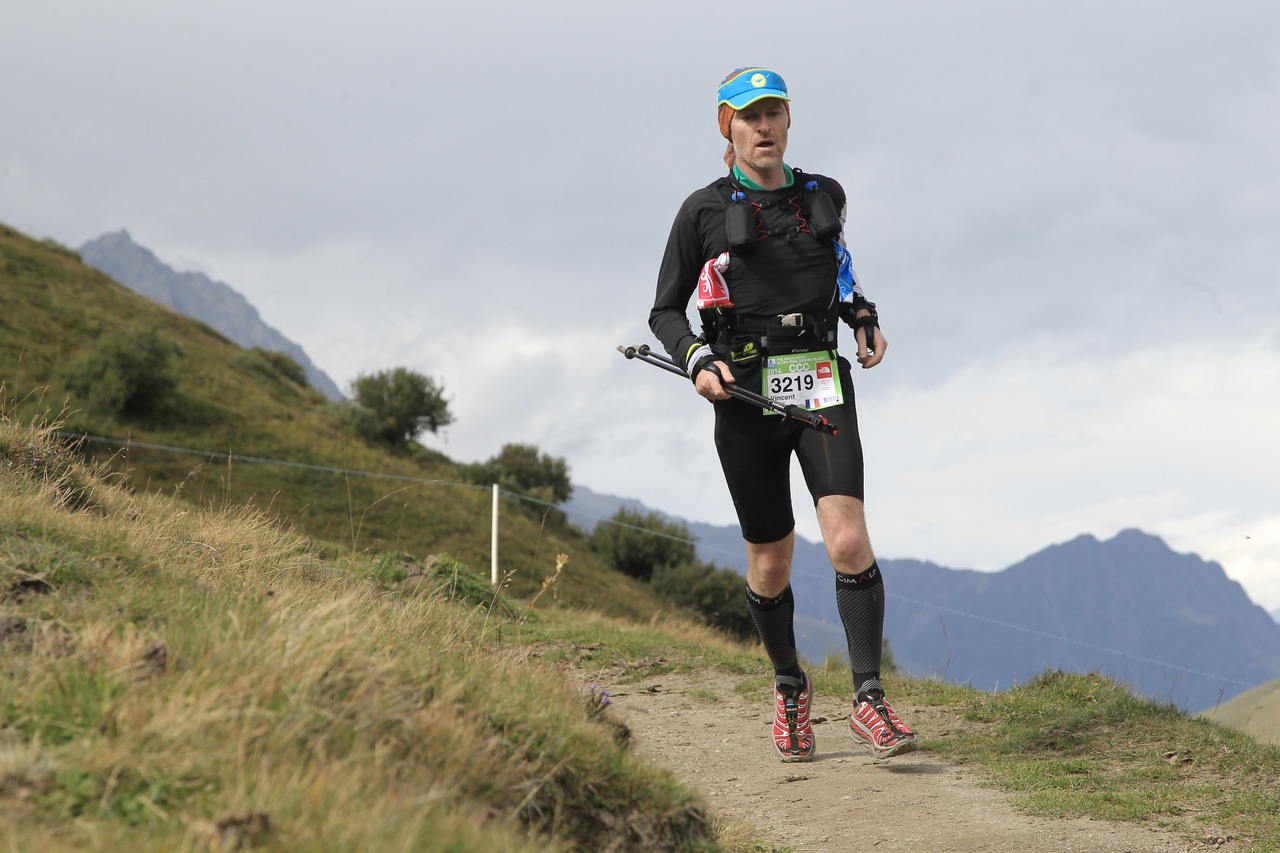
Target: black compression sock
x=773, y=618
x=860, y=600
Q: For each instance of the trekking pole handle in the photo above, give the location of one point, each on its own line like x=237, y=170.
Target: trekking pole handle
x=642, y=353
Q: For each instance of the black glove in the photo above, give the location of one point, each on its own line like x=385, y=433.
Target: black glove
x=869, y=322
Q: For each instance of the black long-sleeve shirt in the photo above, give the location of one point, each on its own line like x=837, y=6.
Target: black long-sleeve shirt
x=790, y=270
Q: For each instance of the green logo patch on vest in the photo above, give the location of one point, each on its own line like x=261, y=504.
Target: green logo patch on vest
x=747, y=352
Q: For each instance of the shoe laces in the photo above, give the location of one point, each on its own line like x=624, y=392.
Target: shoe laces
x=885, y=716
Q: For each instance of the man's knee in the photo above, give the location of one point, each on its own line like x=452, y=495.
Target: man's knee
x=769, y=566
x=769, y=579
x=844, y=532
x=849, y=550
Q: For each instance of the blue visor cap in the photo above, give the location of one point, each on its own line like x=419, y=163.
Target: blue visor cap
x=750, y=85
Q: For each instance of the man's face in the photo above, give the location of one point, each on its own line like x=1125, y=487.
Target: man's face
x=759, y=135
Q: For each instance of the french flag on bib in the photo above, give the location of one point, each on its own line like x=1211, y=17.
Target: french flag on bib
x=713, y=292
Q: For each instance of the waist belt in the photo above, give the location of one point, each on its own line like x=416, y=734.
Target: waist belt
x=797, y=328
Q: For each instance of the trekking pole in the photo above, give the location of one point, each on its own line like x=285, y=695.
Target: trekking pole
x=813, y=420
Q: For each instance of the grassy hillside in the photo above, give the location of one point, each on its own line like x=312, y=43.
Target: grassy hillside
x=186, y=678
x=1255, y=712
x=54, y=311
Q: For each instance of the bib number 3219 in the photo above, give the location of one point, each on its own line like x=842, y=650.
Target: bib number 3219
x=810, y=380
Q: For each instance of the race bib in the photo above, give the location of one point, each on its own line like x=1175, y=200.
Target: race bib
x=810, y=380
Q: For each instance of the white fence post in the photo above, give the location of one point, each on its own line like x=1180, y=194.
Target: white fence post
x=493, y=541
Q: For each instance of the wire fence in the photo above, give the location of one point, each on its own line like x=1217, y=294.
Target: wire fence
x=736, y=556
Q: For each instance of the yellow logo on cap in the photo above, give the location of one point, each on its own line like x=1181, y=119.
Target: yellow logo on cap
x=758, y=80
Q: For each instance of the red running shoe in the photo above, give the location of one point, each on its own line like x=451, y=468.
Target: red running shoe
x=874, y=724
x=792, y=733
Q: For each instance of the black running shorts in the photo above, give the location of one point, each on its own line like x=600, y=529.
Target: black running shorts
x=755, y=452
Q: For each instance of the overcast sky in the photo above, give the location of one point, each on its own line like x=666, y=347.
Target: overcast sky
x=1068, y=214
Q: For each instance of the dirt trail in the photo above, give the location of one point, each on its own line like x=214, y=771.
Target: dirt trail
x=716, y=741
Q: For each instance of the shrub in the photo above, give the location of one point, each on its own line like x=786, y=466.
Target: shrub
x=393, y=407
x=649, y=548
x=640, y=545
x=714, y=594
x=522, y=469
x=441, y=575
x=130, y=373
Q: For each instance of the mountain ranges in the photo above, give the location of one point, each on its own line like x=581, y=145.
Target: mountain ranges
x=1173, y=626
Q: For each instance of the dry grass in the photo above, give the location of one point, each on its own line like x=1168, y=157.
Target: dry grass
x=186, y=678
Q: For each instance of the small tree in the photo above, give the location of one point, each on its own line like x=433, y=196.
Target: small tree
x=398, y=405
x=523, y=469
x=640, y=545
x=130, y=373
x=714, y=594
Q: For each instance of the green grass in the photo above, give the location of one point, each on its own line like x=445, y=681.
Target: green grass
x=1256, y=712
x=1068, y=745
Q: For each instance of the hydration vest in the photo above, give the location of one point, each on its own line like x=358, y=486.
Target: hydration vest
x=743, y=338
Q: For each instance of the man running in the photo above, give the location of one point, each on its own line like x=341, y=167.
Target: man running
x=764, y=249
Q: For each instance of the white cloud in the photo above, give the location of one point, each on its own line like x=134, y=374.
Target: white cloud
x=1246, y=543
x=1011, y=454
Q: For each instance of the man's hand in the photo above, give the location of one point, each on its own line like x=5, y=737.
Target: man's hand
x=711, y=385
x=870, y=358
